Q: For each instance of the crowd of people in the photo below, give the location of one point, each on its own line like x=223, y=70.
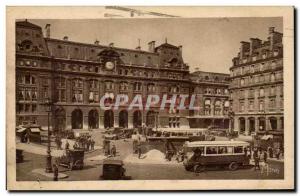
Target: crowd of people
x=84, y=142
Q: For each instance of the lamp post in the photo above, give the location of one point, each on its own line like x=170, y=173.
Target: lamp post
x=48, y=105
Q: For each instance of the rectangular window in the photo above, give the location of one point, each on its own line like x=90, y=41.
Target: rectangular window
x=33, y=107
x=211, y=150
x=238, y=149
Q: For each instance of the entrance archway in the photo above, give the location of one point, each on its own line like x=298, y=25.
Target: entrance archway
x=93, y=119
x=150, y=119
x=123, y=119
x=137, y=118
x=108, y=119
x=77, y=119
x=273, y=123
x=207, y=123
x=59, y=120
x=242, y=124
x=251, y=125
x=262, y=124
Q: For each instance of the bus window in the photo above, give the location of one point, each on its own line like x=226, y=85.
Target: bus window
x=222, y=150
x=238, y=149
x=229, y=149
x=211, y=150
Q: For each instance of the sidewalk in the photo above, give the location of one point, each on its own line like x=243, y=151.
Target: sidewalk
x=42, y=149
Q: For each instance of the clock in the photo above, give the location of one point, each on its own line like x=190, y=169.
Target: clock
x=109, y=65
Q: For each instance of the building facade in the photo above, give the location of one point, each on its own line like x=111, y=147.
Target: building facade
x=256, y=87
x=76, y=75
x=212, y=100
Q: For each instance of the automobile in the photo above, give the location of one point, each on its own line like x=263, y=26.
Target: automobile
x=113, y=169
x=72, y=159
x=19, y=156
x=202, y=154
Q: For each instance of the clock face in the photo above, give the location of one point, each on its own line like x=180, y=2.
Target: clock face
x=109, y=65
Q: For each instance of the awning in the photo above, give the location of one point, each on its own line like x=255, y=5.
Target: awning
x=21, y=130
x=266, y=137
x=208, y=117
x=181, y=130
x=35, y=130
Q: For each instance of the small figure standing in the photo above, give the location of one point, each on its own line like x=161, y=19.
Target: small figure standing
x=265, y=156
x=67, y=145
x=270, y=150
x=55, y=172
x=256, y=162
x=277, y=153
x=92, y=144
x=139, y=149
x=113, y=150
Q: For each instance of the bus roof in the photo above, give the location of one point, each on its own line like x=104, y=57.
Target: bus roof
x=215, y=143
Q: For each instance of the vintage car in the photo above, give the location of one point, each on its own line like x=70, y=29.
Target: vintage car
x=113, y=170
x=72, y=159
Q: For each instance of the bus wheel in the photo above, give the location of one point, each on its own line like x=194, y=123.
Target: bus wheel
x=233, y=166
x=199, y=168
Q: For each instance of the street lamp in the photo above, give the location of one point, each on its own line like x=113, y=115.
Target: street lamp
x=48, y=105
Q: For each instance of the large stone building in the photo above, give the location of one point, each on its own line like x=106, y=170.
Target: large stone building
x=74, y=76
x=256, y=88
x=212, y=99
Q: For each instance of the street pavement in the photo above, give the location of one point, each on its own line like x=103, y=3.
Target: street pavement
x=93, y=167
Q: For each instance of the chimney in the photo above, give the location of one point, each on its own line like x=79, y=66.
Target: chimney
x=254, y=43
x=271, y=37
x=180, y=49
x=151, y=46
x=243, y=48
x=47, y=28
x=66, y=38
x=111, y=44
x=139, y=45
x=96, y=42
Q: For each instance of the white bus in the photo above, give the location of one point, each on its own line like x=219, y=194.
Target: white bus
x=200, y=154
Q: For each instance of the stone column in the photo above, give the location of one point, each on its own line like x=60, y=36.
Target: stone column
x=279, y=123
x=116, y=119
x=68, y=121
x=101, y=121
x=130, y=119
x=247, y=126
x=256, y=124
x=85, y=122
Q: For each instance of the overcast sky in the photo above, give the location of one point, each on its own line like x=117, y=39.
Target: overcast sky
x=208, y=43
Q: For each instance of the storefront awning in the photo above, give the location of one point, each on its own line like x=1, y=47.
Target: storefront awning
x=208, y=117
x=35, y=130
x=21, y=130
x=266, y=137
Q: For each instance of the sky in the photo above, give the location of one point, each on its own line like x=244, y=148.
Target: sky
x=209, y=44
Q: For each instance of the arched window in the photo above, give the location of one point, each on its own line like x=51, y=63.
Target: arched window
x=261, y=92
x=272, y=77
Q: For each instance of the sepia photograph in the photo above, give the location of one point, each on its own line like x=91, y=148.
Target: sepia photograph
x=149, y=95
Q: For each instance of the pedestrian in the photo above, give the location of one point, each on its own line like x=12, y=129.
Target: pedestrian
x=134, y=142
x=256, y=162
x=55, y=172
x=277, y=153
x=88, y=143
x=92, y=144
x=113, y=150
x=139, y=149
x=270, y=150
x=28, y=136
x=265, y=156
x=67, y=145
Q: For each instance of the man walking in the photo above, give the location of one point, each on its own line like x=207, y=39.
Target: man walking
x=55, y=172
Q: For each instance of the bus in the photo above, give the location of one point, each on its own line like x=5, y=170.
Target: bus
x=201, y=154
